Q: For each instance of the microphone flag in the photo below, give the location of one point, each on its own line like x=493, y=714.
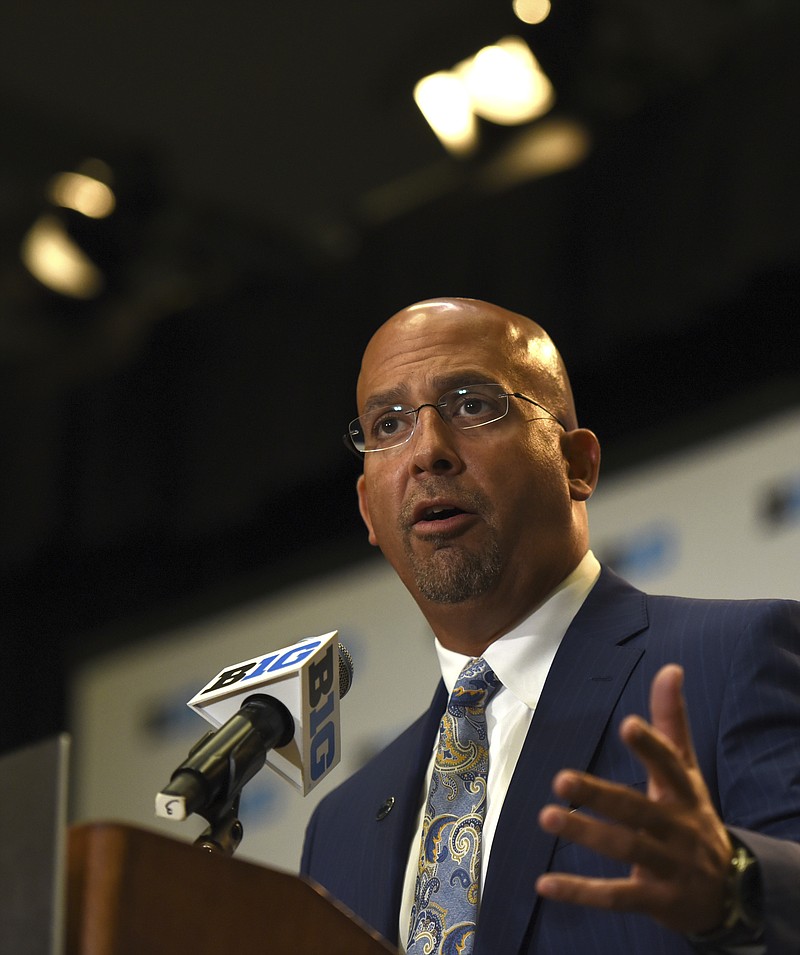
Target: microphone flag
x=305, y=678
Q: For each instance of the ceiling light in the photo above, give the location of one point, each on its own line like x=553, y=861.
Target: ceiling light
x=82, y=193
x=531, y=11
x=445, y=103
x=506, y=84
x=56, y=261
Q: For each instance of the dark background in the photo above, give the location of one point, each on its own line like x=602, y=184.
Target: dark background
x=174, y=445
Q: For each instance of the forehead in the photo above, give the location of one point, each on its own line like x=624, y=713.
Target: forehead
x=419, y=355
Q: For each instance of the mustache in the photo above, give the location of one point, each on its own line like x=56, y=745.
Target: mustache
x=467, y=499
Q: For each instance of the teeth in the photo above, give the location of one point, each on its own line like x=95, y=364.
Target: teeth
x=436, y=512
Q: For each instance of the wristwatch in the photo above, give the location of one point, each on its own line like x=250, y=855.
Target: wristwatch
x=743, y=920
x=743, y=892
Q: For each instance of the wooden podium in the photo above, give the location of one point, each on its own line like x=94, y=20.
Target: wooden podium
x=133, y=892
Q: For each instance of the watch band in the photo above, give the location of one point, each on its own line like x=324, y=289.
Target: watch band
x=743, y=919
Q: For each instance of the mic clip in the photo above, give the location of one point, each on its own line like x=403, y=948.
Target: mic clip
x=219, y=765
x=224, y=831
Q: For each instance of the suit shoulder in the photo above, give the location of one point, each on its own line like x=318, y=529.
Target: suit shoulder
x=737, y=612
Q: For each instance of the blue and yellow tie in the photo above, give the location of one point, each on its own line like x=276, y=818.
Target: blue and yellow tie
x=444, y=914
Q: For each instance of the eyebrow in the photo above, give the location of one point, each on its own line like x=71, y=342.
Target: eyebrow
x=385, y=399
x=441, y=384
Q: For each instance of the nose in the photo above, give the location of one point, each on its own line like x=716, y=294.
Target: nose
x=433, y=444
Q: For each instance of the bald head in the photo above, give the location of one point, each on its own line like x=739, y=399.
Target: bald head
x=532, y=359
x=480, y=523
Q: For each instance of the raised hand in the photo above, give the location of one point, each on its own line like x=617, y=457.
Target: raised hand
x=675, y=842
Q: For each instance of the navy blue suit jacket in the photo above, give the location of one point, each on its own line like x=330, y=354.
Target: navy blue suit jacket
x=742, y=686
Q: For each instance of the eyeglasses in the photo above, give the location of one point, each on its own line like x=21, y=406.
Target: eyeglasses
x=473, y=406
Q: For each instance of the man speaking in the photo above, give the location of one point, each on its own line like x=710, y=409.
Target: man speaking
x=601, y=770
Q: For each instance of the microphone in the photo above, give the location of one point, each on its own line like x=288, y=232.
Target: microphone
x=285, y=712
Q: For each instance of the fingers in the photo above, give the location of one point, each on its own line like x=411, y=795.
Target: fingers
x=662, y=901
x=611, y=800
x=600, y=893
x=634, y=846
x=668, y=769
x=621, y=895
x=640, y=831
x=678, y=858
x=668, y=710
x=666, y=752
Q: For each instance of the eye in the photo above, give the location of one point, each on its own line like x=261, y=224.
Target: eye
x=474, y=406
x=392, y=423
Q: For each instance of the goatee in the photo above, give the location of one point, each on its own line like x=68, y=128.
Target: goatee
x=452, y=574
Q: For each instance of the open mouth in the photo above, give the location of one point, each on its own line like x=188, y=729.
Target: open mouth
x=444, y=516
x=438, y=513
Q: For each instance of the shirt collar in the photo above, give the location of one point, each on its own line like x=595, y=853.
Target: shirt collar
x=521, y=658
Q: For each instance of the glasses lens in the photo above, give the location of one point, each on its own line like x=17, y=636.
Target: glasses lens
x=383, y=429
x=356, y=434
x=464, y=408
x=475, y=405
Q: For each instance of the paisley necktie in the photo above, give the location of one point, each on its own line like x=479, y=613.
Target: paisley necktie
x=444, y=914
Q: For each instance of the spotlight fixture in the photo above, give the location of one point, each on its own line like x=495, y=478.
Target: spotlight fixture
x=506, y=84
x=531, y=11
x=502, y=83
x=51, y=256
x=444, y=101
x=50, y=250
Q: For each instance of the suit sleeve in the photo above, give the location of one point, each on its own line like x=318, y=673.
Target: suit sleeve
x=308, y=843
x=759, y=762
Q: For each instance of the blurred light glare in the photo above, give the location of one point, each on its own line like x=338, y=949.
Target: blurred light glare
x=542, y=150
x=506, y=84
x=57, y=262
x=444, y=102
x=82, y=193
x=531, y=11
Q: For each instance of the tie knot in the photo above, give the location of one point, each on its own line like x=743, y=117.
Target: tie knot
x=476, y=685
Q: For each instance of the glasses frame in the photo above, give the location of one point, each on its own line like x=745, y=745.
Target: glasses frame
x=350, y=444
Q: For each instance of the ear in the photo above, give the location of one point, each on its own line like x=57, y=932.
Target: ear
x=363, y=507
x=581, y=451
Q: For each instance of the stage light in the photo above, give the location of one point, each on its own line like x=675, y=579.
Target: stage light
x=81, y=193
x=71, y=245
x=531, y=11
x=51, y=256
x=506, y=84
x=503, y=83
x=444, y=102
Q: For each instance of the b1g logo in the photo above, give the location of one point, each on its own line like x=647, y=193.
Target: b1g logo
x=322, y=724
x=305, y=678
x=288, y=659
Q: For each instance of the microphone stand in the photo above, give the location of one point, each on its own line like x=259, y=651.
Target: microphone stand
x=222, y=761
x=261, y=724
x=225, y=831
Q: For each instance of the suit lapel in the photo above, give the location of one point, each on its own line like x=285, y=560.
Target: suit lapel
x=390, y=836
x=588, y=674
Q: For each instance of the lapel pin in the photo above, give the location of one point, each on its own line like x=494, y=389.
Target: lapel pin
x=385, y=808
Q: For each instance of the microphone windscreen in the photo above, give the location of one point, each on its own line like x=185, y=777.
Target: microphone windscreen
x=345, y=670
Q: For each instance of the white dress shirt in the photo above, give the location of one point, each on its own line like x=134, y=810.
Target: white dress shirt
x=521, y=659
